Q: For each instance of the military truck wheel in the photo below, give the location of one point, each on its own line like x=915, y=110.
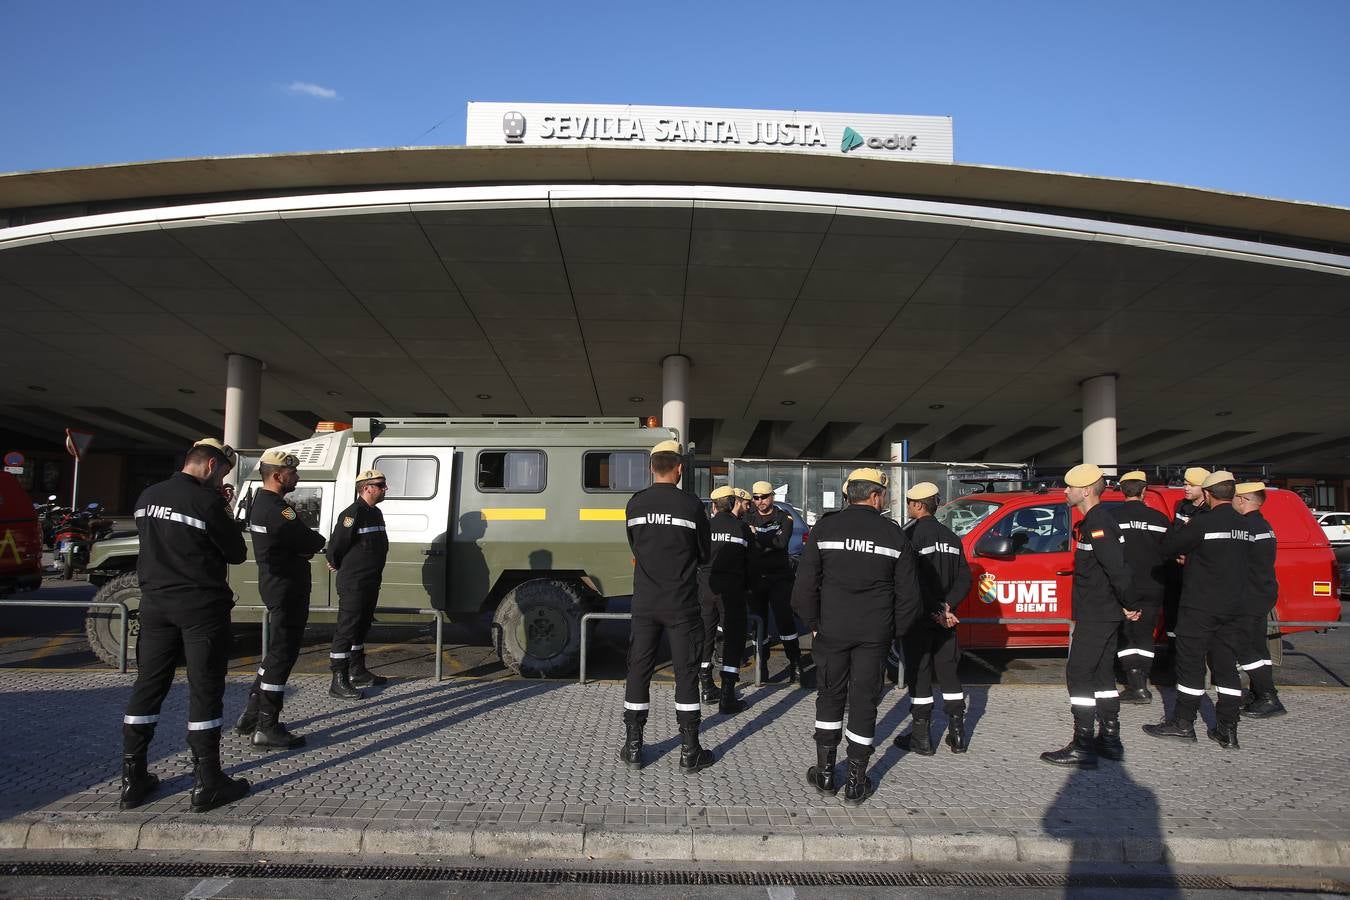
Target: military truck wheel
x=101, y=623
x=540, y=627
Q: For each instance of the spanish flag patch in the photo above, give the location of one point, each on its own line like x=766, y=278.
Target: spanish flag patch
x=1098, y=534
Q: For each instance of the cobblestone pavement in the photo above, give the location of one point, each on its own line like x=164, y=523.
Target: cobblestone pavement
x=468, y=754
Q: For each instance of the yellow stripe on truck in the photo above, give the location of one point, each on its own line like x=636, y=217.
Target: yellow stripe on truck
x=601, y=515
x=515, y=514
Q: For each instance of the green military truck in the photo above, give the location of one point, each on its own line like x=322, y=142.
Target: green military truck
x=523, y=518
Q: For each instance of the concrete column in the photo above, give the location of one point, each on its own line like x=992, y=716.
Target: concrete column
x=1099, y=421
x=674, y=394
x=243, y=397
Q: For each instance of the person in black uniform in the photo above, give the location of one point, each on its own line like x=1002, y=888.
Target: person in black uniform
x=1191, y=503
x=283, y=546
x=668, y=533
x=771, y=577
x=1258, y=601
x=1101, y=598
x=722, y=585
x=1210, y=623
x=857, y=591
x=187, y=539
x=1143, y=528
x=356, y=552
x=930, y=646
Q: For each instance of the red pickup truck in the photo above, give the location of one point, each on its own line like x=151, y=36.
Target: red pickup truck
x=1018, y=546
x=20, y=539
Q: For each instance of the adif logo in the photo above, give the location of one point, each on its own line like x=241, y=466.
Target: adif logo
x=852, y=140
x=513, y=126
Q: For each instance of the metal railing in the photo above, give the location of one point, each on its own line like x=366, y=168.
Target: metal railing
x=389, y=610
x=591, y=617
x=122, y=614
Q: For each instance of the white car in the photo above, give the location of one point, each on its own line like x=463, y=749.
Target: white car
x=1335, y=525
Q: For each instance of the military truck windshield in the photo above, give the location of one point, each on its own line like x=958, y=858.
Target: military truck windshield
x=963, y=515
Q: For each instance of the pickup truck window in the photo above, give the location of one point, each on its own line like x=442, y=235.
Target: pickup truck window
x=963, y=515
x=1036, y=529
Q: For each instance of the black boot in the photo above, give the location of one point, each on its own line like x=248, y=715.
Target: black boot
x=137, y=783
x=1265, y=706
x=211, y=787
x=919, y=738
x=341, y=686
x=1108, y=740
x=708, y=686
x=793, y=673
x=693, y=756
x=1174, y=727
x=956, y=732
x=858, y=787
x=360, y=675
x=1225, y=736
x=631, y=752
x=728, y=703
x=821, y=775
x=1080, y=752
x=248, y=719
x=1137, y=690
x=272, y=735
x=763, y=665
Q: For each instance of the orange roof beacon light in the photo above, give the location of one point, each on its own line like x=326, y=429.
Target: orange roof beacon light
x=649, y=422
x=325, y=427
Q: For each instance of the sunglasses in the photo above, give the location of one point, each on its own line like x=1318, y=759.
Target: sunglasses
x=761, y=496
x=379, y=484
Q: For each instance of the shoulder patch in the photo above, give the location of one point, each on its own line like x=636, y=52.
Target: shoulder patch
x=348, y=521
x=288, y=514
x=1099, y=533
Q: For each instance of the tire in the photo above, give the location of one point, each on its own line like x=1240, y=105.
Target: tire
x=101, y=623
x=539, y=625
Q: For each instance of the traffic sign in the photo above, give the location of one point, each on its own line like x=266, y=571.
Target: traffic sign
x=14, y=458
x=77, y=442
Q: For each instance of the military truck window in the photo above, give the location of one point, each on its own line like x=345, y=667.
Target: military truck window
x=409, y=477
x=512, y=471
x=621, y=471
x=308, y=501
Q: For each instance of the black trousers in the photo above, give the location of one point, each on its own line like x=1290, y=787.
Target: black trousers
x=774, y=592
x=848, y=673
x=286, y=622
x=1255, y=656
x=723, y=601
x=1090, y=671
x=1219, y=639
x=931, y=649
x=684, y=629
x=356, y=610
x=1136, y=638
x=203, y=637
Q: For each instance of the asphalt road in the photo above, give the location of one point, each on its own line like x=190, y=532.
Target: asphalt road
x=53, y=639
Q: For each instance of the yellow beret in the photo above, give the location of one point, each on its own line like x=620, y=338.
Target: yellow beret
x=279, y=457
x=1083, y=475
x=741, y=493
x=876, y=476
x=369, y=475
x=667, y=447
x=1250, y=487
x=761, y=487
x=922, y=491
x=723, y=491
x=223, y=449
x=1218, y=477
x=1133, y=476
x=1195, y=476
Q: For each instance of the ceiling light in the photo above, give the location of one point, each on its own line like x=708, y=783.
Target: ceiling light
x=789, y=402
x=484, y=396
x=186, y=391
x=635, y=399
x=335, y=393
x=936, y=405
x=37, y=387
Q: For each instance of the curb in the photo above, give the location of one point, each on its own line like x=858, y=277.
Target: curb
x=561, y=841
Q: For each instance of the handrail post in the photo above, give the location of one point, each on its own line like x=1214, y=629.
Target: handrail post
x=759, y=645
x=123, y=634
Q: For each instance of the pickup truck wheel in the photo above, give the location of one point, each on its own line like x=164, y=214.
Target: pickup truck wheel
x=540, y=627
x=101, y=622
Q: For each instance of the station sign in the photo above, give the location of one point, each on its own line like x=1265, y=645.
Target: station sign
x=919, y=138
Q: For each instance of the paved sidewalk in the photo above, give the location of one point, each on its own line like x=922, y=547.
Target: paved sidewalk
x=525, y=769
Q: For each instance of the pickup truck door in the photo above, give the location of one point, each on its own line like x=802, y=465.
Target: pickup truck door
x=1029, y=588
x=416, y=516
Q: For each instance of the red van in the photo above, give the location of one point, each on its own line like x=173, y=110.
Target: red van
x=20, y=539
x=1018, y=546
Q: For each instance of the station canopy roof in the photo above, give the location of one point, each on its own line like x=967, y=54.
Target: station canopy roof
x=828, y=305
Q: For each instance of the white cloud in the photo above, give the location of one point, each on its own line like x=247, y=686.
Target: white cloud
x=312, y=90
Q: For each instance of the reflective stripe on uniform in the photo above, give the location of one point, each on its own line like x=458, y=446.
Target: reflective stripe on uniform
x=829, y=726
x=1083, y=701
x=1133, y=651
x=920, y=701
x=705, y=665
x=960, y=696
x=205, y=726
x=673, y=520
x=1256, y=665
x=687, y=707
x=1081, y=546
x=258, y=529
x=140, y=720
x=1261, y=537
x=637, y=707
x=857, y=738
x=731, y=539
x=1231, y=692
x=370, y=530
x=788, y=637
x=181, y=519
x=731, y=669
x=1194, y=692
x=356, y=647
x=274, y=688
x=869, y=548
x=339, y=656
x=1225, y=535
x=1107, y=695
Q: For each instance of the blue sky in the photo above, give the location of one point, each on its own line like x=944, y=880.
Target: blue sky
x=1236, y=95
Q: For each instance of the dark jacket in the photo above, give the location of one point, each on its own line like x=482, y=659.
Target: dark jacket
x=1215, y=545
x=1263, y=589
x=282, y=545
x=188, y=541
x=1143, y=528
x=1101, y=577
x=358, y=547
x=772, y=533
x=944, y=574
x=856, y=580
x=1185, y=509
x=668, y=532
x=731, y=546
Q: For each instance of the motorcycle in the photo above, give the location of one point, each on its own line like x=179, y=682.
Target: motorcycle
x=49, y=515
x=73, y=535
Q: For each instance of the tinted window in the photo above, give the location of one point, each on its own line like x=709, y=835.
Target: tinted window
x=515, y=471
x=615, y=470
x=963, y=515
x=1036, y=529
x=409, y=477
x=308, y=502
